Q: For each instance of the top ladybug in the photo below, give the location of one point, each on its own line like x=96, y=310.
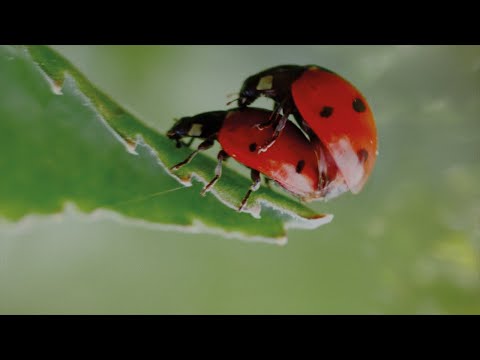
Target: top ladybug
x=325, y=106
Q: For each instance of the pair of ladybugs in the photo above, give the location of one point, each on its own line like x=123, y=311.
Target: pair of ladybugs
x=337, y=153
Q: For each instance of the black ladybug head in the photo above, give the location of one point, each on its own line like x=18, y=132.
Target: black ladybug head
x=248, y=92
x=180, y=128
x=205, y=125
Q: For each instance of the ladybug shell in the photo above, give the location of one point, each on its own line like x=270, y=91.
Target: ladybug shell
x=332, y=182
x=341, y=117
x=291, y=161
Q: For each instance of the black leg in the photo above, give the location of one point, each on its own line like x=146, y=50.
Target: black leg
x=189, y=143
x=207, y=144
x=254, y=187
x=278, y=129
x=273, y=119
x=179, y=143
x=222, y=155
x=267, y=182
x=279, y=121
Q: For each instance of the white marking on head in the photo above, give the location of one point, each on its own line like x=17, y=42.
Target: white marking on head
x=195, y=130
x=265, y=83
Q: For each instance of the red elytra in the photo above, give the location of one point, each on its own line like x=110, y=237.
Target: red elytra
x=291, y=161
x=342, y=119
x=327, y=107
x=300, y=166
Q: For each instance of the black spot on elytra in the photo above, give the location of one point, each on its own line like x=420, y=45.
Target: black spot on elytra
x=362, y=155
x=326, y=112
x=252, y=147
x=300, y=166
x=358, y=105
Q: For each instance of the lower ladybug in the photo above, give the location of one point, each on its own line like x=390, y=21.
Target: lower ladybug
x=326, y=106
x=292, y=162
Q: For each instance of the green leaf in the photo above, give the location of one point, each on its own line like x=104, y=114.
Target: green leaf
x=66, y=146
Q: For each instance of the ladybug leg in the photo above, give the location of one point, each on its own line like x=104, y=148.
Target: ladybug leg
x=280, y=122
x=222, y=155
x=189, y=143
x=179, y=143
x=267, y=182
x=207, y=144
x=278, y=129
x=254, y=187
x=272, y=119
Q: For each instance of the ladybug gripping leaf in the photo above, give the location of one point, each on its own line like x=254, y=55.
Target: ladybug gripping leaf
x=293, y=162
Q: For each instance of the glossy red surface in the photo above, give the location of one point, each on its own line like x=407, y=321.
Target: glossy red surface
x=341, y=117
x=239, y=138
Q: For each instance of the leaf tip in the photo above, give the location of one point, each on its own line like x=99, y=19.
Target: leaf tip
x=310, y=222
x=282, y=241
x=321, y=217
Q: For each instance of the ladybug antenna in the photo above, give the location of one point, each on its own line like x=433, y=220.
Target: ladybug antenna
x=232, y=95
x=232, y=101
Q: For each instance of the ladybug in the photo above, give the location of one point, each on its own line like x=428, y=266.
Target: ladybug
x=291, y=162
x=327, y=107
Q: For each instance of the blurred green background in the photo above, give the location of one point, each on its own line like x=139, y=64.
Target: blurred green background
x=408, y=243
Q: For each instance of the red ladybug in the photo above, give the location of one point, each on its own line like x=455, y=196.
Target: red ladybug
x=326, y=106
x=292, y=161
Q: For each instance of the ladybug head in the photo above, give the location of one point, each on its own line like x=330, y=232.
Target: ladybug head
x=181, y=128
x=248, y=92
x=199, y=126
